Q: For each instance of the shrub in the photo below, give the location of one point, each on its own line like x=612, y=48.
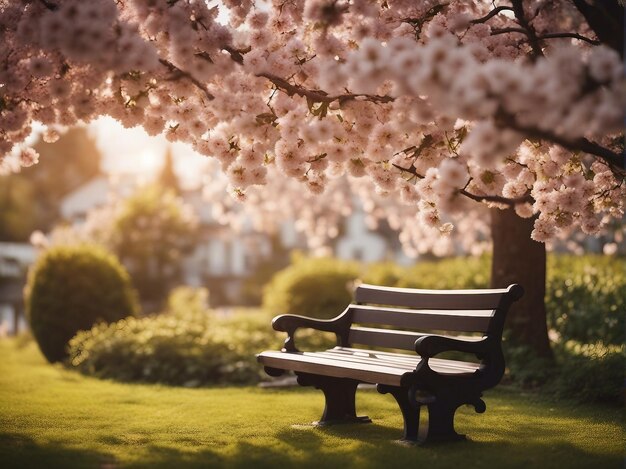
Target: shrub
x=150, y=232
x=317, y=287
x=586, y=298
x=188, y=299
x=384, y=273
x=585, y=295
x=70, y=289
x=582, y=372
x=457, y=272
x=525, y=368
x=183, y=348
x=590, y=373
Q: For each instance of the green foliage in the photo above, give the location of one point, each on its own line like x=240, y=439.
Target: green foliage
x=581, y=372
x=586, y=298
x=317, y=287
x=30, y=199
x=384, y=273
x=590, y=373
x=150, y=233
x=457, y=272
x=70, y=289
x=185, y=299
x=189, y=345
x=322, y=287
x=178, y=348
x=252, y=287
x=525, y=368
x=17, y=208
x=585, y=295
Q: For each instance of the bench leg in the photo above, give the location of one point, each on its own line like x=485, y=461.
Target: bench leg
x=340, y=398
x=441, y=423
x=410, y=413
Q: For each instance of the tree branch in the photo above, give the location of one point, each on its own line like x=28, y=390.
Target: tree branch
x=418, y=23
x=49, y=5
x=615, y=161
x=527, y=198
x=572, y=35
x=410, y=170
x=491, y=14
x=518, y=9
x=607, y=192
x=178, y=73
x=235, y=54
x=315, y=96
x=319, y=96
x=497, y=31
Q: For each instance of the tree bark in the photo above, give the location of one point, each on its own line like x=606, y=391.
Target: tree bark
x=519, y=259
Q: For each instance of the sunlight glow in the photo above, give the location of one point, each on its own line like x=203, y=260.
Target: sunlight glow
x=147, y=162
x=134, y=152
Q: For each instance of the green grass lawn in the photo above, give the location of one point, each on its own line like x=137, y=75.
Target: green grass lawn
x=52, y=417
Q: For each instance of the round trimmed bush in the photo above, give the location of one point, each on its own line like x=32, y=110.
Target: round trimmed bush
x=317, y=287
x=70, y=288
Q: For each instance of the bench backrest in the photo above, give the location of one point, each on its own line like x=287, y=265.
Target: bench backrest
x=449, y=312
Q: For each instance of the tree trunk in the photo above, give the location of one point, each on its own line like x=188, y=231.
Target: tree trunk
x=519, y=259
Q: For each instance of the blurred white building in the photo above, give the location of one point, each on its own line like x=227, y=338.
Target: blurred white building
x=224, y=258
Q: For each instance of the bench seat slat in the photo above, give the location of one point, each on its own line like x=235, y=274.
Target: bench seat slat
x=444, y=366
x=390, y=338
x=412, y=359
x=352, y=358
x=461, y=321
x=429, y=299
x=351, y=363
x=308, y=362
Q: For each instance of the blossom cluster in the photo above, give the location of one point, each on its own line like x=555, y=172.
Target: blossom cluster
x=426, y=107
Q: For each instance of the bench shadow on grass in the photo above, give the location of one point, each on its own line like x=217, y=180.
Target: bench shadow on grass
x=19, y=451
x=530, y=446
x=377, y=446
x=307, y=446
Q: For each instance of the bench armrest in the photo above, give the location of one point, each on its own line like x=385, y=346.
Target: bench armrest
x=431, y=345
x=289, y=323
x=488, y=350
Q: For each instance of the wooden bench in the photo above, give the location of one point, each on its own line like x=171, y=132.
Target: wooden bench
x=425, y=321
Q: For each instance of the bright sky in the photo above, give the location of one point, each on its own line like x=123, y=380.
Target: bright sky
x=133, y=151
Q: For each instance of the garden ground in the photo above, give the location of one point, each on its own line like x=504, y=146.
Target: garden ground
x=53, y=417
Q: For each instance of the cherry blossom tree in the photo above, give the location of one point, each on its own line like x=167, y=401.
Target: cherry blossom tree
x=516, y=105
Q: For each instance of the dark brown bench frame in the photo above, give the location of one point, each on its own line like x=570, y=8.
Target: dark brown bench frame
x=414, y=381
